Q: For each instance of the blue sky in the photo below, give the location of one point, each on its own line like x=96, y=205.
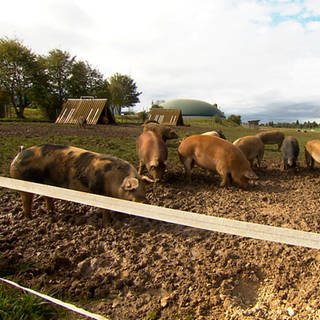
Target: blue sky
x=256, y=58
x=278, y=18
x=300, y=12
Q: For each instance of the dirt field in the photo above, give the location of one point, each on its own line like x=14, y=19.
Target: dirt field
x=133, y=268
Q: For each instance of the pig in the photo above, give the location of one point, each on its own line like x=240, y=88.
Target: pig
x=312, y=152
x=151, y=121
x=78, y=169
x=164, y=132
x=216, y=154
x=218, y=133
x=271, y=137
x=153, y=153
x=252, y=147
x=82, y=122
x=290, y=152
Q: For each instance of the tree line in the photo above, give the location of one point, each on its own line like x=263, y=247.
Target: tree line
x=296, y=124
x=47, y=81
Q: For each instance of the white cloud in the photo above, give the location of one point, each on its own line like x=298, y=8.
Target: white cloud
x=313, y=26
x=313, y=6
x=224, y=51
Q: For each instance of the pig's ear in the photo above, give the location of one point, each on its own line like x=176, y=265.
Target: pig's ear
x=250, y=175
x=130, y=183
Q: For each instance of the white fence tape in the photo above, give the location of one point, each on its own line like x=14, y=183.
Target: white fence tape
x=60, y=303
x=211, y=223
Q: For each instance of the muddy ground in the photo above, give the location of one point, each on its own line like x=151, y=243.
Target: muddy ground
x=134, y=268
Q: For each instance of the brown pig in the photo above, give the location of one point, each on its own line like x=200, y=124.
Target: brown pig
x=271, y=137
x=252, y=147
x=218, y=133
x=152, y=153
x=78, y=169
x=312, y=153
x=216, y=154
x=165, y=132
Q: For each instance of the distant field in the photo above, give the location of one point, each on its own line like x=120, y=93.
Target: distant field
x=125, y=146
x=97, y=138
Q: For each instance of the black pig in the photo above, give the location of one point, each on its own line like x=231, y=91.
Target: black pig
x=290, y=152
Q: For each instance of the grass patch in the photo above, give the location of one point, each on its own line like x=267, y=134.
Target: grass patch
x=30, y=115
x=152, y=315
x=35, y=114
x=125, y=147
x=20, y=306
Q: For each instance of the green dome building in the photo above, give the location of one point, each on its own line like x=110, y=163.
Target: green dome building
x=193, y=108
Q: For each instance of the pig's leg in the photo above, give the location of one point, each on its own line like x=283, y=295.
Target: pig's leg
x=285, y=165
x=309, y=160
x=260, y=157
x=27, y=203
x=140, y=167
x=311, y=163
x=225, y=180
x=188, y=164
x=49, y=204
x=224, y=174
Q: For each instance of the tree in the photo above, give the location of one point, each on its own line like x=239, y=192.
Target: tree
x=235, y=118
x=68, y=78
x=123, y=92
x=58, y=65
x=4, y=100
x=85, y=81
x=104, y=90
x=21, y=74
x=78, y=80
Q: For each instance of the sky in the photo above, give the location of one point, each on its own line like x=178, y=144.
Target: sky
x=256, y=58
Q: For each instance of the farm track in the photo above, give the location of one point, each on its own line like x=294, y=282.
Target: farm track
x=133, y=268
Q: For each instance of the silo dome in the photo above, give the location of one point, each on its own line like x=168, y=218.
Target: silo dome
x=193, y=108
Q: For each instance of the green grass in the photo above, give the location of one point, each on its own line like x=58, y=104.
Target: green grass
x=20, y=306
x=207, y=122
x=30, y=115
x=34, y=114
x=125, y=147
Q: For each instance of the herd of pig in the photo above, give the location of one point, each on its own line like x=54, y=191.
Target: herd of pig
x=83, y=170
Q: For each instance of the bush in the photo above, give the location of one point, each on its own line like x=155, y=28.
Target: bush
x=217, y=119
x=235, y=118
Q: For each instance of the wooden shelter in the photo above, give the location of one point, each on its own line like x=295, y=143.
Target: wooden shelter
x=253, y=124
x=90, y=110
x=171, y=117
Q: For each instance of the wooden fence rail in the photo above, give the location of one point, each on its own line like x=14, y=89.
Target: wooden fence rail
x=201, y=221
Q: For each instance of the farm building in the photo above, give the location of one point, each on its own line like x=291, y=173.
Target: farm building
x=193, y=108
x=171, y=117
x=253, y=124
x=92, y=110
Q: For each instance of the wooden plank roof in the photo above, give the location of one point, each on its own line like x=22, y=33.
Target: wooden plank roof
x=166, y=116
x=75, y=109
